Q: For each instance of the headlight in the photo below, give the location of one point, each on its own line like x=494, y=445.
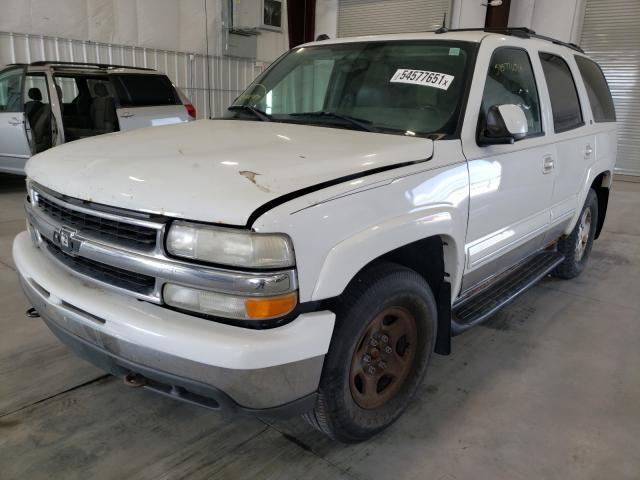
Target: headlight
x=229, y=306
x=228, y=246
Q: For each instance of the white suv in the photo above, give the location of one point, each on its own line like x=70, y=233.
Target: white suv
x=364, y=200
x=44, y=104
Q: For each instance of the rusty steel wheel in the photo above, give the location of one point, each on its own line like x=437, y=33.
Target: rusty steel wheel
x=384, y=357
x=386, y=325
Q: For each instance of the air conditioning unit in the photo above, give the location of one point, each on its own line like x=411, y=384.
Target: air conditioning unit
x=248, y=15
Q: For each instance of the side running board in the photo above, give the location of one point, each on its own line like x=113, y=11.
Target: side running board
x=481, y=306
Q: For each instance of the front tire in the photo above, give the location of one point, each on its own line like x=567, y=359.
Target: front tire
x=576, y=247
x=381, y=345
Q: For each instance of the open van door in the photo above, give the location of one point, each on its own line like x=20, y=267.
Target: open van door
x=15, y=148
x=147, y=100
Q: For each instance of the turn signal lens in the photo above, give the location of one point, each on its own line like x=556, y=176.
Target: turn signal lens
x=262, y=308
x=228, y=306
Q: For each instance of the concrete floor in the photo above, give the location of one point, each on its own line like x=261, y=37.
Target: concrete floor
x=549, y=388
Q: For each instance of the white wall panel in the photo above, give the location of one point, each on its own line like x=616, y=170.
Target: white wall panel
x=157, y=23
x=191, y=26
x=469, y=13
x=164, y=24
x=16, y=15
x=555, y=19
x=271, y=44
x=229, y=76
x=101, y=20
x=192, y=23
x=327, y=17
x=60, y=17
x=125, y=18
x=521, y=13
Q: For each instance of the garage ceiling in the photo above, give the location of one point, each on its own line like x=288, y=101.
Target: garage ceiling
x=372, y=17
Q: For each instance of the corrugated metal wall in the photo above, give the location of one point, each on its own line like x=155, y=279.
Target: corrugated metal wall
x=611, y=36
x=229, y=75
x=372, y=17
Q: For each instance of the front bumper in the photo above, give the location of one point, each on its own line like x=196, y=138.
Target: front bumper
x=270, y=372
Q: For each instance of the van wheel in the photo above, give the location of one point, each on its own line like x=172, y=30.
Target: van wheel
x=381, y=345
x=576, y=247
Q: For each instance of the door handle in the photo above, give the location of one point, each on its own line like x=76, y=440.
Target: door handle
x=127, y=114
x=15, y=121
x=547, y=164
x=588, y=151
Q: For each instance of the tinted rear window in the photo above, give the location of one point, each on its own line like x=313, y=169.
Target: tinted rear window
x=565, y=103
x=144, y=90
x=597, y=90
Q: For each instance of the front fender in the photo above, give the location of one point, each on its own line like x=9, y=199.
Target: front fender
x=360, y=220
x=350, y=256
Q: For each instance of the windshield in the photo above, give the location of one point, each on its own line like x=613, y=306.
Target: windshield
x=407, y=88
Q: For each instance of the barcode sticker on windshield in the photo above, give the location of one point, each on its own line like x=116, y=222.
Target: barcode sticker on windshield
x=421, y=77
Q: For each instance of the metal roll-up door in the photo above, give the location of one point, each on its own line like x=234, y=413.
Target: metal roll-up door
x=374, y=17
x=611, y=36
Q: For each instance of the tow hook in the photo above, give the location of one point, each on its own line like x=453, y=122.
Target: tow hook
x=134, y=380
x=32, y=313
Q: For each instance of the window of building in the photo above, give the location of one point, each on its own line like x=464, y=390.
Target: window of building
x=272, y=13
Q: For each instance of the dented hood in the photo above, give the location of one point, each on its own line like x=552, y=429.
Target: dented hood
x=215, y=170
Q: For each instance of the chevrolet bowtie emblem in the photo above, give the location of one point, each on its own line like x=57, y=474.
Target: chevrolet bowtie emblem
x=67, y=242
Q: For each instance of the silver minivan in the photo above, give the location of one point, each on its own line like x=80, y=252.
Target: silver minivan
x=44, y=104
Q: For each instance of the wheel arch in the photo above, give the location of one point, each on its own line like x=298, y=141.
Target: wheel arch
x=436, y=259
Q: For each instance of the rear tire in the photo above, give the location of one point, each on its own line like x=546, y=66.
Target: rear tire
x=384, y=335
x=576, y=247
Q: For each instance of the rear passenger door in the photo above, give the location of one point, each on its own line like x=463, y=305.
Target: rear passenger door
x=147, y=100
x=510, y=184
x=574, y=141
x=603, y=114
x=14, y=146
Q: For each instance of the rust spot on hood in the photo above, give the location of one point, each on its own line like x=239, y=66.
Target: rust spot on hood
x=251, y=176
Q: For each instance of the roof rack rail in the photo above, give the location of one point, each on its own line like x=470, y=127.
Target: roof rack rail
x=43, y=63
x=521, y=32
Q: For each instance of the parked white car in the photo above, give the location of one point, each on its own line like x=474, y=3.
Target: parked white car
x=44, y=104
x=364, y=200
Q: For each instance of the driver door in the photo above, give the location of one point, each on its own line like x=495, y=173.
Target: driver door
x=510, y=184
x=14, y=143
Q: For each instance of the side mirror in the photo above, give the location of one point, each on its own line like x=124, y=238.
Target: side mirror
x=503, y=124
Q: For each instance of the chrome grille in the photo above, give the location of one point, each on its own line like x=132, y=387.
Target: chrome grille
x=123, y=249
x=117, y=277
x=115, y=231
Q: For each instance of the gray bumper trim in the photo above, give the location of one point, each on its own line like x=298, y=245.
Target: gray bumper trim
x=282, y=390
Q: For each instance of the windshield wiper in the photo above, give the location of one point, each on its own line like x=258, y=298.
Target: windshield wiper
x=361, y=123
x=265, y=117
